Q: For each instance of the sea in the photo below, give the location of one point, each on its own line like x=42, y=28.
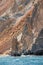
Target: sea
x=22, y=60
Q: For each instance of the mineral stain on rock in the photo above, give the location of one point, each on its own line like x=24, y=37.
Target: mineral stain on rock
x=23, y=17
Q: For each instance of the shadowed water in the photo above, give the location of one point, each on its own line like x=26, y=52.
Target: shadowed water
x=23, y=60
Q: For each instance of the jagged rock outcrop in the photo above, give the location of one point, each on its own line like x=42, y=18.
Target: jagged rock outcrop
x=23, y=18
x=12, y=26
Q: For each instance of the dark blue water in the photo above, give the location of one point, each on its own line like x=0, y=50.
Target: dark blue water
x=24, y=60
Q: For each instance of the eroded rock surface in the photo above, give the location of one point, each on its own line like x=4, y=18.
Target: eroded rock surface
x=21, y=17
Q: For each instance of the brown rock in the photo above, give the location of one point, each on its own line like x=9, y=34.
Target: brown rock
x=29, y=24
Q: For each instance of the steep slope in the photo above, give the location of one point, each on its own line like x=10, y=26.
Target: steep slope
x=22, y=17
x=12, y=29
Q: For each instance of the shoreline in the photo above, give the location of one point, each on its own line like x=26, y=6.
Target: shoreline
x=4, y=55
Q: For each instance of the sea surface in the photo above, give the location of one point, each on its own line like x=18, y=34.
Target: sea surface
x=23, y=60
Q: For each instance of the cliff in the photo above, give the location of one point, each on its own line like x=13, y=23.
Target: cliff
x=21, y=23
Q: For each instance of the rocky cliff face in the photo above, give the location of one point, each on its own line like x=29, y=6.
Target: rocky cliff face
x=38, y=33
x=21, y=27
x=34, y=42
